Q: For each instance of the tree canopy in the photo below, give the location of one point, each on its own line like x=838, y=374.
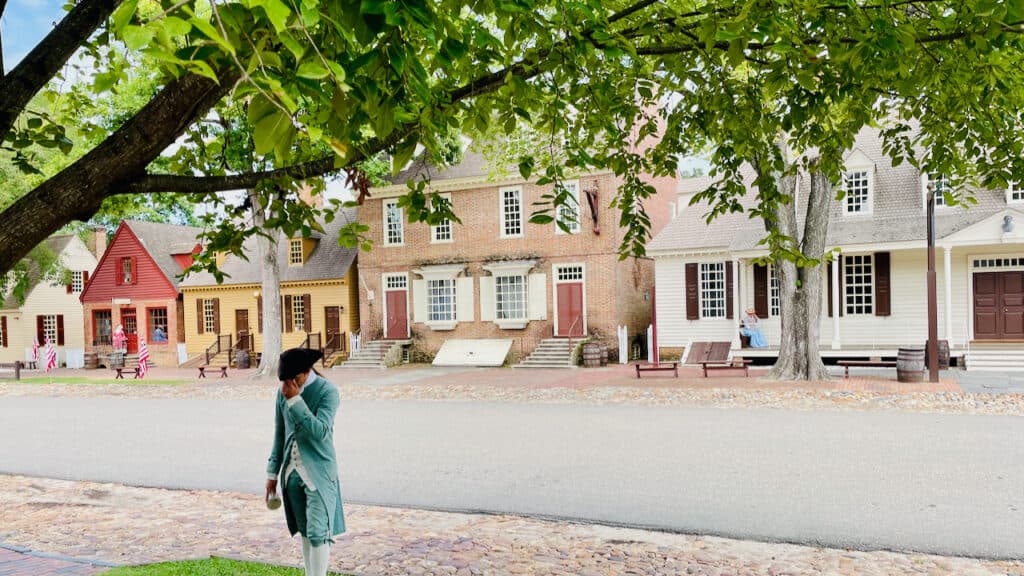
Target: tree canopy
x=327, y=86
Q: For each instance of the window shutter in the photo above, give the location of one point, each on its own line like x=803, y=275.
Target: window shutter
x=464, y=300
x=308, y=311
x=761, y=290
x=883, y=290
x=3, y=331
x=537, y=305
x=70, y=283
x=692, y=292
x=135, y=270
x=85, y=279
x=288, y=320
x=728, y=289
x=487, y=312
x=216, y=315
x=259, y=312
x=40, y=334
x=200, y=323
x=419, y=300
x=60, y=329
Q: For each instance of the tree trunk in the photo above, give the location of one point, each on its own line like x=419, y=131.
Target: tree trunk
x=272, y=340
x=800, y=287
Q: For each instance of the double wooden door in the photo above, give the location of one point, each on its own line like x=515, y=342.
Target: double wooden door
x=999, y=305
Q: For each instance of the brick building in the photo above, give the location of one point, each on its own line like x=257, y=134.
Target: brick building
x=495, y=276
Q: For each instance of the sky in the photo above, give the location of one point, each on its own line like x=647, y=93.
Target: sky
x=24, y=24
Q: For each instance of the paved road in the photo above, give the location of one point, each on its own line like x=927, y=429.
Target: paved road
x=935, y=483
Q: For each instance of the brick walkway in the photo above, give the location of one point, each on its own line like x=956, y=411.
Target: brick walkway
x=15, y=561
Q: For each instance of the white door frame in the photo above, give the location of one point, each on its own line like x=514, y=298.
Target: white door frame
x=384, y=304
x=970, y=283
x=554, y=289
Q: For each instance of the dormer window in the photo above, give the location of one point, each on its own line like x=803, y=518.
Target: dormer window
x=295, y=252
x=77, y=281
x=939, y=184
x=858, y=191
x=1014, y=194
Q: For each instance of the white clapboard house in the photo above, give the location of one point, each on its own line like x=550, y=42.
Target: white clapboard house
x=875, y=297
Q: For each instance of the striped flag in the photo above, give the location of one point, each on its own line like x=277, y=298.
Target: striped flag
x=51, y=355
x=143, y=358
x=35, y=348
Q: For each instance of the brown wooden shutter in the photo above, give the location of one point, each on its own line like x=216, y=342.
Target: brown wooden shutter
x=216, y=315
x=85, y=279
x=259, y=312
x=60, y=329
x=40, y=333
x=883, y=289
x=692, y=293
x=308, y=311
x=728, y=289
x=135, y=270
x=200, y=323
x=3, y=331
x=761, y=290
x=288, y=313
x=71, y=283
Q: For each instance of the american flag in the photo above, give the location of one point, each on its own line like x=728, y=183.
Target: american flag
x=51, y=355
x=35, y=348
x=143, y=358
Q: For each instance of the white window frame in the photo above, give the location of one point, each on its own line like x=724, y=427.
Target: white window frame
x=926, y=178
x=390, y=204
x=1011, y=191
x=523, y=297
x=866, y=304
x=867, y=206
x=573, y=186
x=126, y=270
x=437, y=317
x=504, y=213
x=448, y=273
x=708, y=301
x=774, y=292
x=77, y=281
x=437, y=232
x=209, y=316
x=49, y=329
x=556, y=271
x=299, y=314
x=295, y=256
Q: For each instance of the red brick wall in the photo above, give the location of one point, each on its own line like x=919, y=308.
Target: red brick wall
x=162, y=354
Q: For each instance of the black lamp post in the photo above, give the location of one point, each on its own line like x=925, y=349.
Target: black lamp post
x=933, y=312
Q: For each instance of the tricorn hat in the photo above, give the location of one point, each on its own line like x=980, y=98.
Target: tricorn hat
x=295, y=361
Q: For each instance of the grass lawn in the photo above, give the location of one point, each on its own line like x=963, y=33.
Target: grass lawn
x=81, y=380
x=211, y=567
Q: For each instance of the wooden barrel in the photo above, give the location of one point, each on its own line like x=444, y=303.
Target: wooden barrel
x=910, y=364
x=91, y=361
x=591, y=354
x=604, y=354
x=943, y=355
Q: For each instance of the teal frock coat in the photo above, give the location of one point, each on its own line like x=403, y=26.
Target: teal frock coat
x=310, y=423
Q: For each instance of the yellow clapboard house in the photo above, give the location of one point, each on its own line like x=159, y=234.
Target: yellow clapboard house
x=319, y=299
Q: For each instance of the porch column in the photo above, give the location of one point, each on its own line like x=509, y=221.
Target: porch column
x=947, y=270
x=836, y=300
x=736, y=309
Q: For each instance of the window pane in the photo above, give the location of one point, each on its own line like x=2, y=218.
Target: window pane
x=103, y=330
x=295, y=252
x=394, y=232
x=209, y=321
x=157, y=325
x=512, y=215
x=441, y=300
x=510, y=297
x=857, y=198
x=77, y=281
x=774, y=306
x=50, y=329
x=858, y=283
x=298, y=314
x=712, y=290
x=569, y=213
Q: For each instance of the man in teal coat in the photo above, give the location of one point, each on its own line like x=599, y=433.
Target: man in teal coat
x=304, y=457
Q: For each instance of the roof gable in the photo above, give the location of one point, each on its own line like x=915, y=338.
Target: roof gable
x=126, y=242
x=991, y=230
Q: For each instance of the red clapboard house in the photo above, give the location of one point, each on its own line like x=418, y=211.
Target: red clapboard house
x=135, y=285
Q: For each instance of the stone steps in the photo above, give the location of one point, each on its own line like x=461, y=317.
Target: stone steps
x=550, y=353
x=370, y=355
x=996, y=359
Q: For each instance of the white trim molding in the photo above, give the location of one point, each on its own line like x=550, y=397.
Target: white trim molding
x=520, y=268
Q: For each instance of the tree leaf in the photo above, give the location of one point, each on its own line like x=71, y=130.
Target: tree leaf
x=312, y=70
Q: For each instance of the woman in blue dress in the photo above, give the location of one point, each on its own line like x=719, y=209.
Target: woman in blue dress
x=751, y=329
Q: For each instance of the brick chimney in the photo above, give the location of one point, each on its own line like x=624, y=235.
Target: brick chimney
x=99, y=241
x=306, y=194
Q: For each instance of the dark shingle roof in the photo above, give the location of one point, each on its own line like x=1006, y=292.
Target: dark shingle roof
x=473, y=165
x=327, y=261
x=56, y=244
x=163, y=241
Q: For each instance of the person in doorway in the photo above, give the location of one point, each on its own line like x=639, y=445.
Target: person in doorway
x=752, y=329
x=159, y=335
x=304, y=459
x=120, y=340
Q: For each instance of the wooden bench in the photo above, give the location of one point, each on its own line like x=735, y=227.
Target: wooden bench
x=120, y=372
x=736, y=364
x=223, y=371
x=876, y=363
x=673, y=366
x=17, y=366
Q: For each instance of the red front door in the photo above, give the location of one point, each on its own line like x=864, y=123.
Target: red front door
x=570, y=309
x=131, y=329
x=397, y=327
x=999, y=305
